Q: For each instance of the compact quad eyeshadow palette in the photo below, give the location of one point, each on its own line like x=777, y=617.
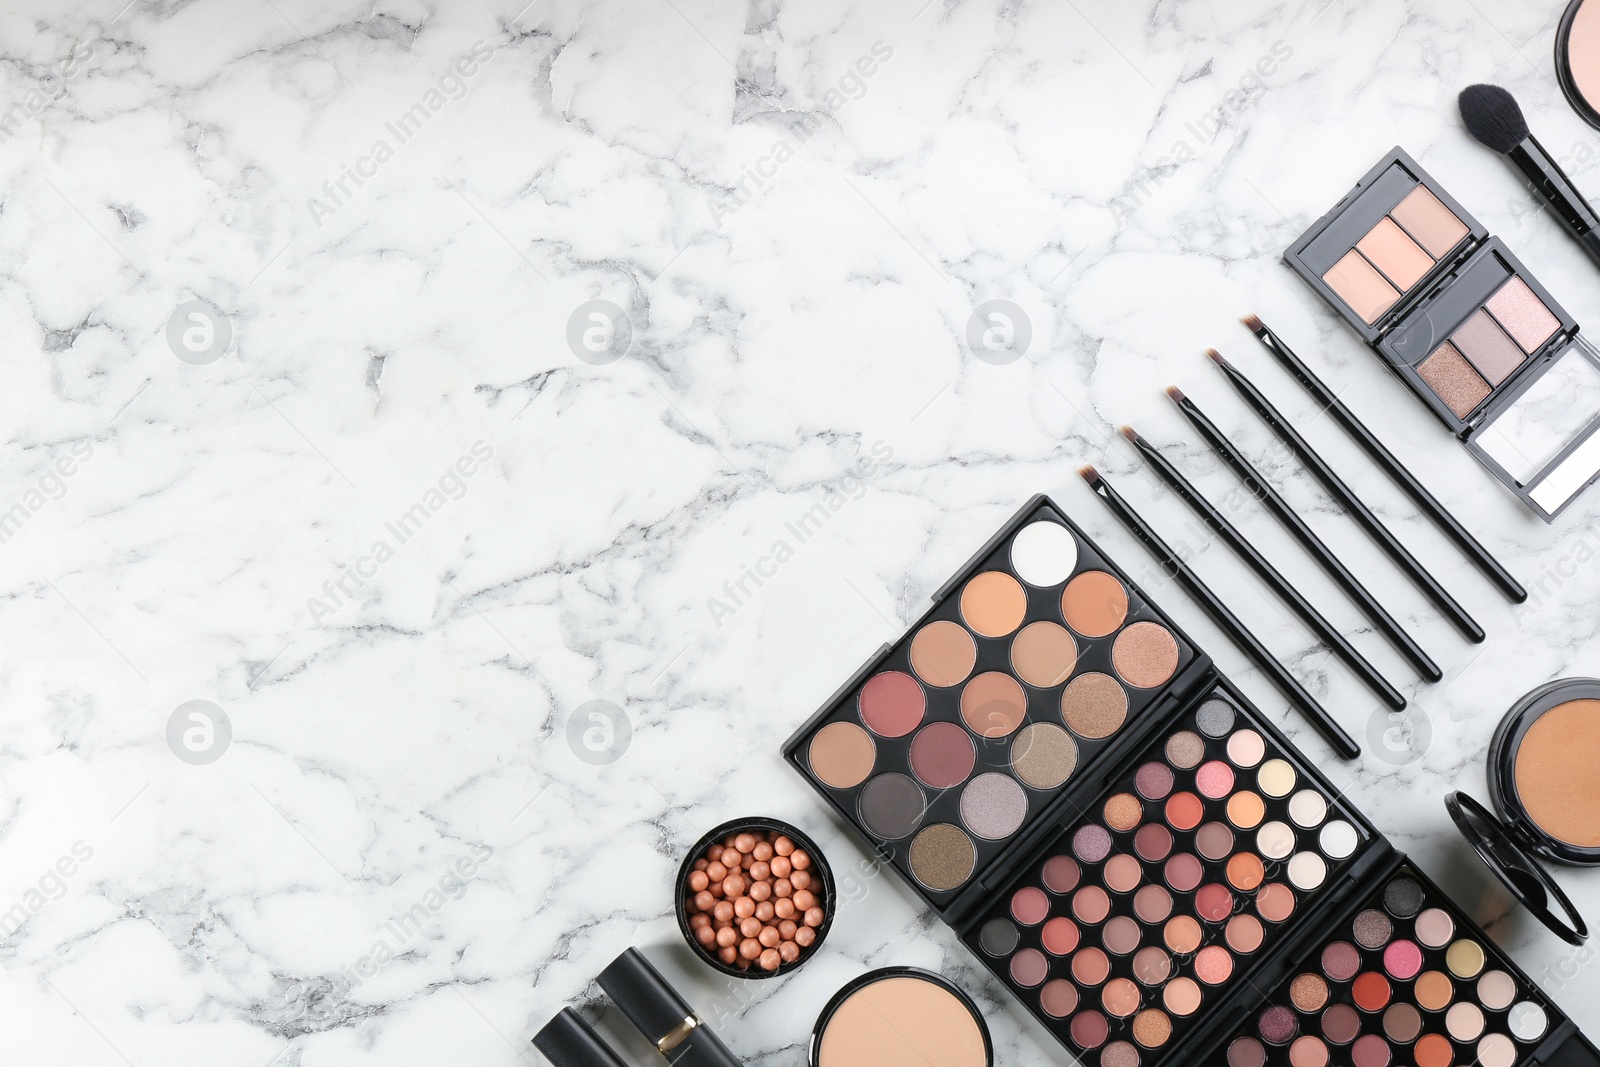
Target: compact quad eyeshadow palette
x=1465, y=325
x=1134, y=850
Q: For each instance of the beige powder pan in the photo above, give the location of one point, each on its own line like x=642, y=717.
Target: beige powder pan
x=901, y=1017
x=1578, y=58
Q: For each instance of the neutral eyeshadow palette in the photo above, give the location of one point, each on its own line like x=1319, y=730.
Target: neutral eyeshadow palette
x=1186, y=872
x=1465, y=325
x=1405, y=977
x=949, y=745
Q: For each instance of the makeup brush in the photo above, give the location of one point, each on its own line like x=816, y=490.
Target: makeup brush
x=1358, y=510
x=1493, y=117
x=1225, y=619
x=1375, y=450
x=1258, y=486
x=1264, y=570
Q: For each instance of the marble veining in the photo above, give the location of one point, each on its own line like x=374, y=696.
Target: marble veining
x=451, y=446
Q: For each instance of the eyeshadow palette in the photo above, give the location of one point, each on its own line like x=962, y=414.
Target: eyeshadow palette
x=1465, y=325
x=1189, y=868
x=1406, y=979
x=1032, y=662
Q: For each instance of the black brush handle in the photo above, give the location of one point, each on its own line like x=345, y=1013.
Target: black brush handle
x=1247, y=473
x=1551, y=184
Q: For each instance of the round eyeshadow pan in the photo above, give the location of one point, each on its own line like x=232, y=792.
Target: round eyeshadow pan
x=1402, y=959
x=1435, y=928
x=1402, y=897
x=1274, y=902
x=1060, y=874
x=1089, y=1029
x=1370, y=991
x=892, y=704
x=1496, y=1050
x=841, y=755
x=1276, y=778
x=1090, y=966
x=1184, y=811
x=1214, y=779
x=943, y=654
x=1153, y=842
x=1277, y=1025
x=1308, y=1051
x=1244, y=934
x=1433, y=990
x=998, y=937
x=1153, y=780
x=1119, y=1054
x=942, y=755
x=1185, y=750
x=993, y=704
x=1029, y=906
x=1152, y=904
x=1308, y=808
x=1029, y=967
x=1094, y=705
x=1181, y=934
x=1091, y=904
x=1275, y=840
x=1215, y=717
x=1246, y=749
x=1372, y=929
x=1058, y=998
x=1402, y=1023
x=1307, y=870
x=1246, y=810
x=1370, y=1050
x=1340, y=1024
x=1464, y=1021
x=1151, y=1028
x=1308, y=992
x=1145, y=655
x=1213, y=840
x=1213, y=902
x=1122, y=811
x=1496, y=990
x=1094, y=604
x=1527, y=1021
x=1246, y=1052
x=1246, y=871
x=1044, y=755
x=1122, y=874
x=1120, y=936
x=892, y=806
x=1464, y=958
x=993, y=806
x=942, y=857
x=1213, y=965
x=1338, y=840
x=1044, y=553
x=1340, y=961
x=1059, y=936
x=1182, y=996
x=1152, y=966
x=1043, y=654
x=993, y=604
x=1091, y=843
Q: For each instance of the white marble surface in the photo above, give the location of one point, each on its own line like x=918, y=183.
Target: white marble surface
x=799, y=249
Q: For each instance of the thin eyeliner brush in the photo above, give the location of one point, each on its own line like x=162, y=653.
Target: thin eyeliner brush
x=1313, y=544
x=1264, y=570
x=1492, y=568
x=1353, y=504
x=1335, y=735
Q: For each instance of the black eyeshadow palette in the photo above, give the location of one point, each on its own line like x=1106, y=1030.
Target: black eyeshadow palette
x=1406, y=977
x=948, y=746
x=1158, y=901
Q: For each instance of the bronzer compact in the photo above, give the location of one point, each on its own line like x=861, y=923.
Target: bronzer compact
x=1465, y=325
x=1131, y=847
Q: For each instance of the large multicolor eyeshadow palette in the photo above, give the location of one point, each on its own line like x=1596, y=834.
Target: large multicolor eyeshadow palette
x=1465, y=325
x=1033, y=661
x=1408, y=979
x=1134, y=921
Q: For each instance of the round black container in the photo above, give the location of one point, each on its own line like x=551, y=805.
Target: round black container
x=870, y=977
x=1569, y=84
x=1510, y=843
x=821, y=886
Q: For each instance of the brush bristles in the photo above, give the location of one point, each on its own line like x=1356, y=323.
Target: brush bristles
x=1254, y=323
x=1493, y=117
x=1216, y=357
x=1090, y=475
x=1175, y=393
x=1131, y=434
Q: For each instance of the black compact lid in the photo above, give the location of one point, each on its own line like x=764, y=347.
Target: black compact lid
x=568, y=1041
x=1523, y=875
x=649, y=1002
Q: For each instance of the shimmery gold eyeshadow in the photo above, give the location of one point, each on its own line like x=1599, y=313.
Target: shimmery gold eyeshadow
x=1094, y=705
x=1454, y=381
x=943, y=654
x=942, y=857
x=1361, y=287
x=1525, y=317
x=1123, y=811
x=993, y=604
x=1395, y=254
x=1044, y=756
x=1425, y=217
x=1145, y=655
x=1152, y=1028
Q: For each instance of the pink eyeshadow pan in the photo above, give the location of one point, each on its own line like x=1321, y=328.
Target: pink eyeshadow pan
x=1525, y=317
x=1395, y=254
x=1359, y=285
x=1434, y=226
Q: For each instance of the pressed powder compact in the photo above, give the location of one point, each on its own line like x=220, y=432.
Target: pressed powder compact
x=1544, y=782
x=1465, y=325
x=1578, y=58
x=901, y=1017
x=1137, y=853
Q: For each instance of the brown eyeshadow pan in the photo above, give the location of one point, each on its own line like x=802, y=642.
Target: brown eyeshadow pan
x=1452, y=378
